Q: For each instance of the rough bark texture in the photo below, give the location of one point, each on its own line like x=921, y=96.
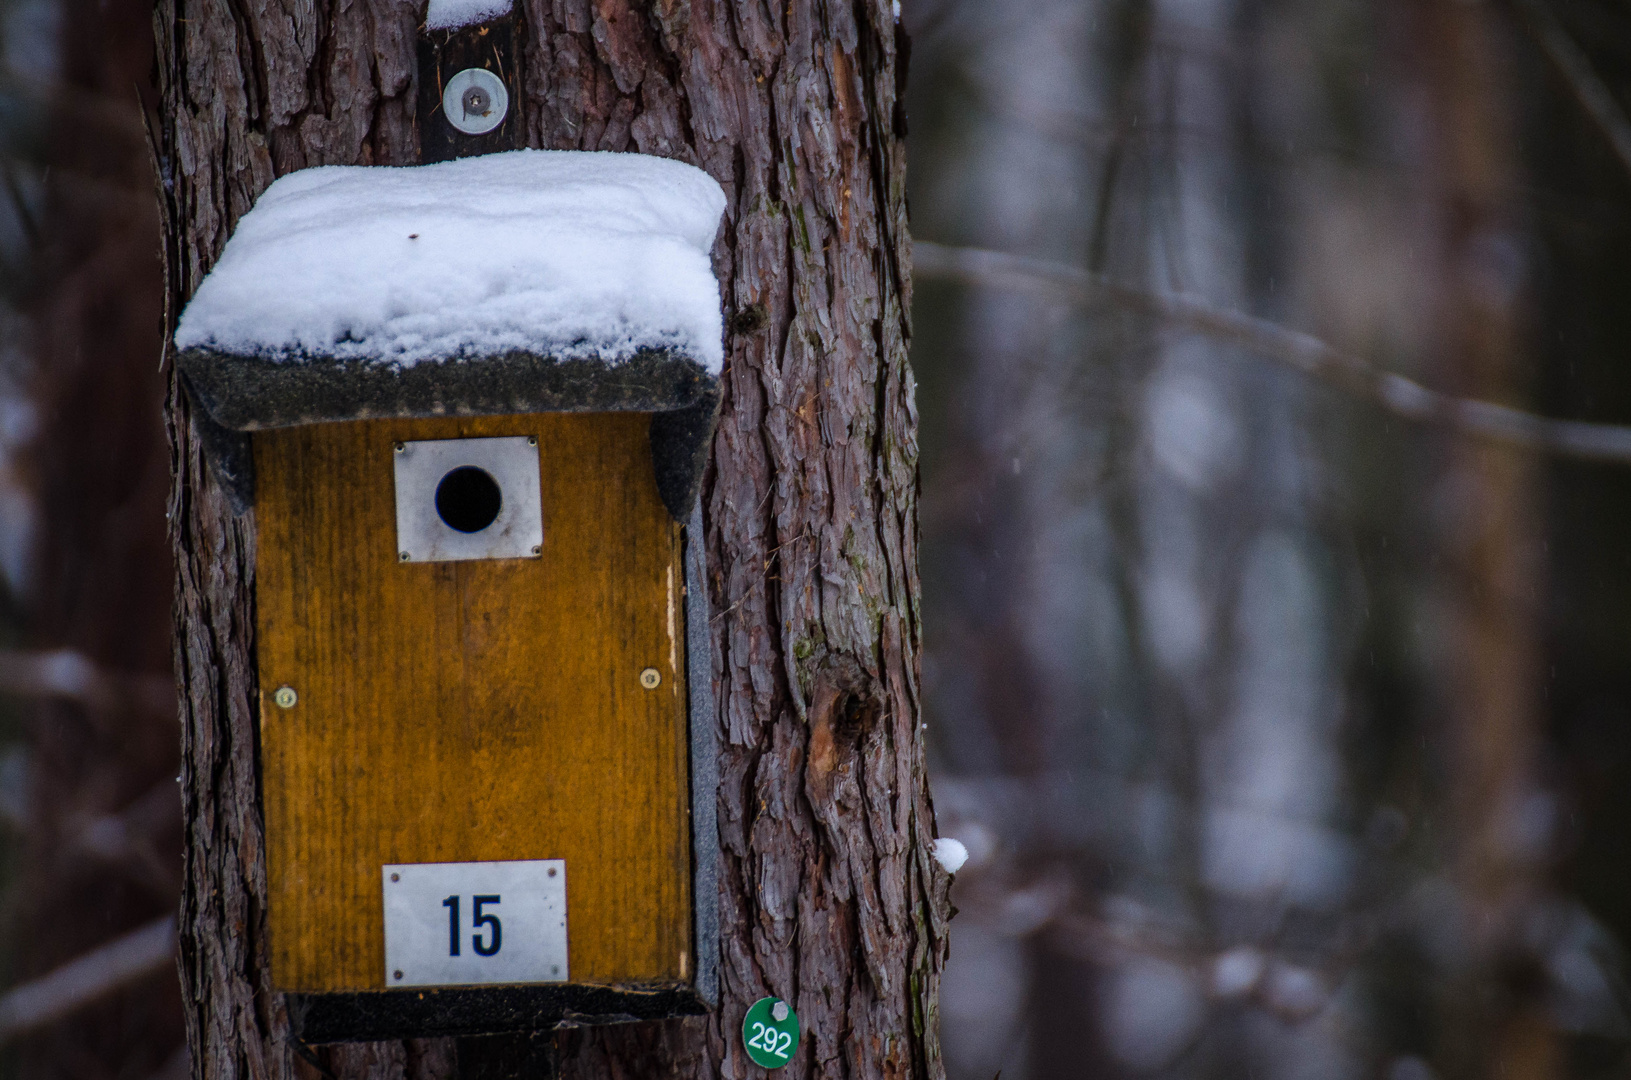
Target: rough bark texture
x=829, y=895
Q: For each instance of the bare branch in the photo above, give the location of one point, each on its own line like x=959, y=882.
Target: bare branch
x=66, y=673
x=81, y=981
x=1308, y=354
x=126, y=839
x=1575, y=66
x=178, y=1066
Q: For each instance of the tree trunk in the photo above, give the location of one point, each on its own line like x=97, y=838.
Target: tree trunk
x=829, y=896
x=1492, y=571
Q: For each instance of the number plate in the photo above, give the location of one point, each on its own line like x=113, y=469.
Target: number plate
x=448, y=924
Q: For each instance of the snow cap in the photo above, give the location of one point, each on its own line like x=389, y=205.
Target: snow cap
x=950, y=854
x=453, y=14
x=565, y=254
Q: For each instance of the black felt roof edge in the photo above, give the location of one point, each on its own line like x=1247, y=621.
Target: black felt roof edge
x=241, y=393
x=252, y=392
x=480, y=1010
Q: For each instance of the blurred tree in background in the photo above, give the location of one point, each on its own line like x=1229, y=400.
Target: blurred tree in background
x=88, y=763
x=1283, y=710
x=1284, y=706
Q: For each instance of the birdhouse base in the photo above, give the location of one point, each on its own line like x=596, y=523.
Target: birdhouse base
x=457, y=1011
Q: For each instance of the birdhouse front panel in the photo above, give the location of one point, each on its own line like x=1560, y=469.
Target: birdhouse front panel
x=482, y=720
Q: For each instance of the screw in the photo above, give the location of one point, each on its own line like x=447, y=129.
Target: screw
x=778, y=1011
x=398, y=974
x=402, y=447
x=537, y=549
x=651, y=678
x=396, y=877
x=476, y=102
x=285, y=697
x=404, y=556
x=551, y=871
x=532, y=440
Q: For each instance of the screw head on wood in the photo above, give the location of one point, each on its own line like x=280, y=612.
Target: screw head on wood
x=778, y=1011
x=284, y=697
x=651, y=678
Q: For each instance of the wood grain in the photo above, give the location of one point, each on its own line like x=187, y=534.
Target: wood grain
x=471, y=711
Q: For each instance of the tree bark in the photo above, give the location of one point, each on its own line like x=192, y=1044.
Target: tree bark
x=829, y=896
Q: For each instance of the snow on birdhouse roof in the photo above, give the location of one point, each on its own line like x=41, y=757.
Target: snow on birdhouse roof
x=561, y=254
x=453, y=14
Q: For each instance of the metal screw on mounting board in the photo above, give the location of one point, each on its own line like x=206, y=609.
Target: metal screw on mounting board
x=284, y=697
x=475, y=101
x=778, y=1011
x=651, y=678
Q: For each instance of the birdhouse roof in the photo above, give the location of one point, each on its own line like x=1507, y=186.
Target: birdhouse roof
x=518, y=282
x=560, y=253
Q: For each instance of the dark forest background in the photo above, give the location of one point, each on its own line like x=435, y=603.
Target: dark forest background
x=1279, y=695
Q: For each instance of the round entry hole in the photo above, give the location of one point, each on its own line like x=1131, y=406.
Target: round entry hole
x=468, y=499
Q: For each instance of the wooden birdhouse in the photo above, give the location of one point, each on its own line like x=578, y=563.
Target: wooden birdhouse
x=469, y=404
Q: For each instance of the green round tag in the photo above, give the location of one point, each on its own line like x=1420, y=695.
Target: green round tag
x=770, y=1031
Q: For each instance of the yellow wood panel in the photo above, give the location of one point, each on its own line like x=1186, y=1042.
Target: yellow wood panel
x=471, y=711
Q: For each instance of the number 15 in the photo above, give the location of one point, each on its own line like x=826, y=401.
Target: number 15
x=484, y=946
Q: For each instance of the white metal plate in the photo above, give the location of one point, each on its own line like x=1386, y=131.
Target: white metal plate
x=453, y=105
x=421, y=533
x=435, y=935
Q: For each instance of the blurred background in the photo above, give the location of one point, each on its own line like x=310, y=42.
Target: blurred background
x=1276, y=669
x=1284, y=716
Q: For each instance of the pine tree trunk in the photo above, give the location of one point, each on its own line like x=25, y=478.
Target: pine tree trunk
x=829, y=896
x=1490, y=559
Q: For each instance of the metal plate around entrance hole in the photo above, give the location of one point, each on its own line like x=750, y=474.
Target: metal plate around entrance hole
x=462, y=499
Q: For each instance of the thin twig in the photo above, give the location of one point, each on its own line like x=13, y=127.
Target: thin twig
x=19, y=203
x=81, y=981
x=1308, y=354
x=178, y=1066
x=764, y=575
x=67, y=673
x=1585, y=84
x=126, y=839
